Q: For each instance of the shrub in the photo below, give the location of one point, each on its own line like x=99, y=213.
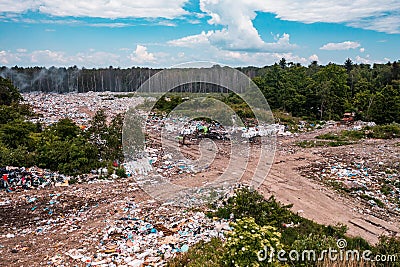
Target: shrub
x=248, y=241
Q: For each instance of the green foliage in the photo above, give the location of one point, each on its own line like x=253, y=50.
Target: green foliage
x=113, y=150
x=384, y=131
x=71, y=156
x=20, y=156
x=248, y=237
x=168, y=103
x=62, y=147
x=9, y=113
x=388, y=246
x=326, y=92
x=313, y=242
x=8, y=93
x=121, y=172
x=106, y=138
x=17, y=133
x=249, y=203
x=317, y=143
x=65, y=129
x=247, y=240
x=379, y=132
x=377, y=201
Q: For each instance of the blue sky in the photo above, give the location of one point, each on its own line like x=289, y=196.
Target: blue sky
x=125, y=33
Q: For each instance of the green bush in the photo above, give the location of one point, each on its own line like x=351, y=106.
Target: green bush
x=248, y=241
x=250, y=203
x=384, y=131
x=121, y=172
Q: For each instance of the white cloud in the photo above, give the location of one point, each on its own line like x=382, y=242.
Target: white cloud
x=239, y=33
x=96, y=58
x=237, y=15
x=140, y=55
x=256, y=59
x=110, y=25
x=21, y=50
x=313, y=58
x=362, y=49
x=341, y=46
x=166, y=23
x=192, y=40
x=4, y=57
x=18, y=6
x=41, y=56
x=383, y=23
x=367, y=14
x=49, y=58
x=101, y=8
x=365, y=60
x=236, y=58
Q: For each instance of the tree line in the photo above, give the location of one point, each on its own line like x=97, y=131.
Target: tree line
x=73, y=79
x=326, y=92
x=315, y=92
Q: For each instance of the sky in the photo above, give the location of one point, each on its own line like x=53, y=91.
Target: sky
x=154, y=33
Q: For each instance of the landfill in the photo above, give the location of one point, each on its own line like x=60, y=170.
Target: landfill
x=83, y=228
x=79, y=107
x=371, y=176
x=47, y=220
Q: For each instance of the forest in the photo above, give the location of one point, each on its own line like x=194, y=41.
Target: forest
x=313, y=92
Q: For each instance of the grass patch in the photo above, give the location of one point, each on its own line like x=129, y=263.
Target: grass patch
x=320, y=143
x=125, y=95
x=383, y=131
x=377, y=201
x=378, y=132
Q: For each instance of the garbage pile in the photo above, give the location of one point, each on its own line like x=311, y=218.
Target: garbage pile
x=80, y=107
x=16, y=178
x=366, y=179
x=146, y=234
x=21, y=178
x=183, y=131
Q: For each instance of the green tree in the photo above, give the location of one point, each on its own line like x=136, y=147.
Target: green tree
x=17, y=133
x=70, y=156
x=97, y=133
x=65, y=129
x=8, y=92
x=386, y=106
x=114, y=139
x=332, y=91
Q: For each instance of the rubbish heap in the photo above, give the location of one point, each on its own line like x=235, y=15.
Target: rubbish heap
x=147, y=234
x=21, y=178
x=18, y=178
x=80, y=107
x=370, y=181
